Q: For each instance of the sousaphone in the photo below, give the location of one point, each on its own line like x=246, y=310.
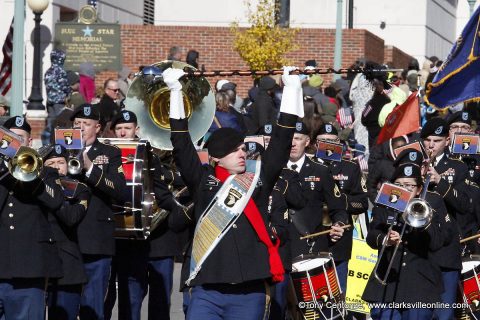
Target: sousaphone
x=149, y=98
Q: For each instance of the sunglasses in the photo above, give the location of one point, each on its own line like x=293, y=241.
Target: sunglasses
x=115, y=90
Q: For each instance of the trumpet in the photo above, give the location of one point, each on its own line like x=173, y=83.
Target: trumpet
x=417, y=214
x=75, y=164
x=26, y=165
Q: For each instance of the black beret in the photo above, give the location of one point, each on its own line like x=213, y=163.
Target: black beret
x=327, y=128
x=124, y=116
x=435, y=127
x=55, y=151
x=86, y=111
x=223, y=141
x=18, y=122
x=266, y=130
x=460, y=116
x=411, y=156
x=301, y=128
x=406, y=170
x=254, y=149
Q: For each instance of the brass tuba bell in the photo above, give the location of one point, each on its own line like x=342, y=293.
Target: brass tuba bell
x=149, y=98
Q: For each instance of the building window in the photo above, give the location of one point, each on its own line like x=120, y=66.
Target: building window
x=148, y=11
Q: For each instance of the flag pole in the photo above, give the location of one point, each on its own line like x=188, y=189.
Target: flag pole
x=16, y=101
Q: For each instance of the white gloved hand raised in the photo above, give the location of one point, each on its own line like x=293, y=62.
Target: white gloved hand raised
x=170, y=77
x=292, y=97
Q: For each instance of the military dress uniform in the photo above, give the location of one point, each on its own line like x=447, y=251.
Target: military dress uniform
x=27, y=247
x=318, y=187
x=107, y=182
x=65, y=293
x=351, y=182
x=414, y=276
x=233, y=276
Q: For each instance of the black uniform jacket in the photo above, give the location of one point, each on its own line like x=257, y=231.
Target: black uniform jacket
x=414, y=277
x=455, y=192
x=64, y=222
x=317, y=187
x=240, y=256
x=27, y=246
x=107, y=183
x=349, y=179
x=163, y=242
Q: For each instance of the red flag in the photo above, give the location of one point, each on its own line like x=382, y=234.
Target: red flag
x=6, y=68
x=404, y=119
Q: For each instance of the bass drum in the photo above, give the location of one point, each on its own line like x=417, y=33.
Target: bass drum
x=133, y=218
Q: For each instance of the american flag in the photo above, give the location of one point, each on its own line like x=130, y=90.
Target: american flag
x=345, y=117
x=362, y=162
x=6, y=69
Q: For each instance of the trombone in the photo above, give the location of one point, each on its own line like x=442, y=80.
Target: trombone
x=417, y=214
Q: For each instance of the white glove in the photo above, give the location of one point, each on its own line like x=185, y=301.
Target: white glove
x=292, y=97
x=170, y=77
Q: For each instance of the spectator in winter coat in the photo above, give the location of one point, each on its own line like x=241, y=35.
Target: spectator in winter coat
x=87, y=81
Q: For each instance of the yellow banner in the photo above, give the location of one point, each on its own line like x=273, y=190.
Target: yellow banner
x=360, y=267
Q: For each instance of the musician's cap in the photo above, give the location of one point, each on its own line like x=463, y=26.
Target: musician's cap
x=327, y=128
x=267, y=83
x=301, y=128
x=266, y=129
x=223, y=141
x=460, y=116
x=315, y=81
x=18, y=122
x=57, y=151
x=86, y=111
x=411, y=156
x=124, y=116
x=435, y=127
x=254, y=149
x=406, y=170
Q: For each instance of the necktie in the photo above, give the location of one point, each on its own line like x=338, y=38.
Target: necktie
x=294, y=167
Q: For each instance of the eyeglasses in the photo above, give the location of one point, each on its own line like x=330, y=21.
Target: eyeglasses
x=455, y=127
x=115, y=90
x=407, y=186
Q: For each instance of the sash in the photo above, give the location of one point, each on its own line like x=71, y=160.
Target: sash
x=220, y=215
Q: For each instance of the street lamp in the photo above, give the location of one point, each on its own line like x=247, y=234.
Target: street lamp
x=35, y=99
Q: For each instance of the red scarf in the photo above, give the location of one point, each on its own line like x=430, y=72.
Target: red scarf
x=256, y=220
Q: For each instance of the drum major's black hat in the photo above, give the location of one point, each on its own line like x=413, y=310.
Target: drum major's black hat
x=223, y=141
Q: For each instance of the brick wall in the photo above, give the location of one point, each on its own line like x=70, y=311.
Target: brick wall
x=395, y=57
x=143, y=45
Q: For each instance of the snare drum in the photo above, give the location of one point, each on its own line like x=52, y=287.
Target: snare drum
x=471, y=282
x=316, y=283
x=133, y=218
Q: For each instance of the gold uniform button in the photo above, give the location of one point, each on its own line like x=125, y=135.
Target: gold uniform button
x=404, y=253
x=234, y=226
x=404, y=264
x=12, y=227
x=10, y=193
x=10, y=204
x=10, y=215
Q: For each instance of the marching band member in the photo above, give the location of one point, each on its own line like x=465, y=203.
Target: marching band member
x=28, y=255
x=103, y=173
x=65, y=293
x=414, y=276
x=349, y=179
x=448, y=179
x=318, y=187
x=231, y=282
x=146, y=265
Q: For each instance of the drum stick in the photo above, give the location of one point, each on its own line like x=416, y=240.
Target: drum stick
x=470, y=238
x=325, y=232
